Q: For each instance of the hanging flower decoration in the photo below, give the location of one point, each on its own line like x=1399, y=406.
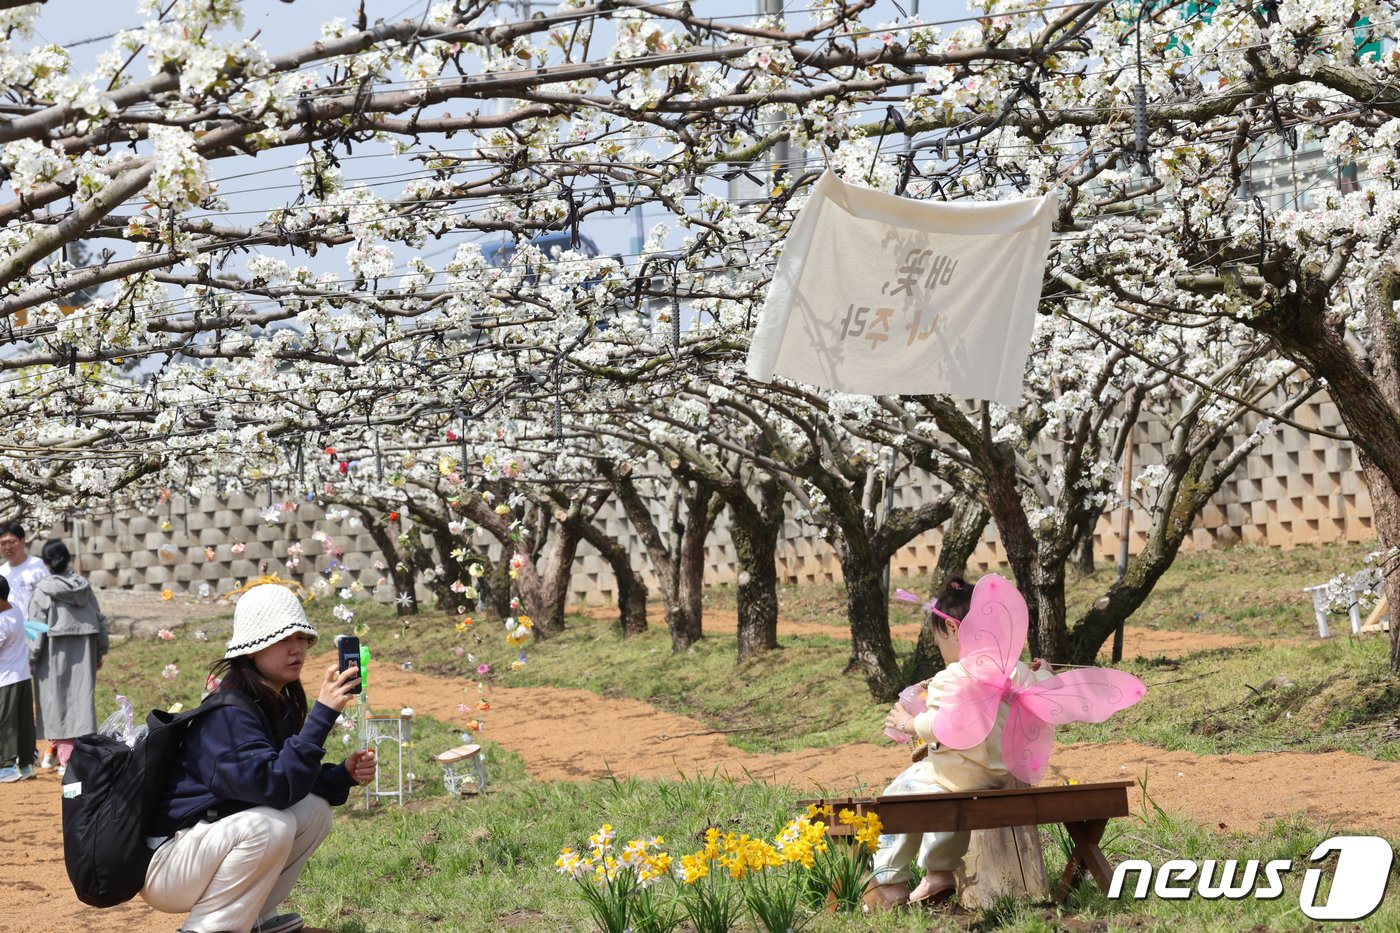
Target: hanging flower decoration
x=518, y=630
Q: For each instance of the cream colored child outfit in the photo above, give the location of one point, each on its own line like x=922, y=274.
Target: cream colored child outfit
x=945, y=770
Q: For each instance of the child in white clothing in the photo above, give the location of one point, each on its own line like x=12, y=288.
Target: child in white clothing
x=16, y=696
x=941, y=770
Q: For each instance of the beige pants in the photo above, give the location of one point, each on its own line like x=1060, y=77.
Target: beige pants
x=934, y=851
x=231, y=874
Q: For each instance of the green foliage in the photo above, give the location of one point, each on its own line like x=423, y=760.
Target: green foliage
x=486, y=863
x=775, y=900
x=712, y=904
x=1310, y=696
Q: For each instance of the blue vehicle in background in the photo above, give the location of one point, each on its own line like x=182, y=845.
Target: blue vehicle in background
x=500, y=252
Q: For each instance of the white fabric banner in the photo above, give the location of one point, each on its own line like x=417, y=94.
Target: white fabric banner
x=880, y=295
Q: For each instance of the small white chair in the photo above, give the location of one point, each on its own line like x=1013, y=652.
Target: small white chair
x=463, y=770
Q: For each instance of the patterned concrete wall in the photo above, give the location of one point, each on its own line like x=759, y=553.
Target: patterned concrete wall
x=1296, y=488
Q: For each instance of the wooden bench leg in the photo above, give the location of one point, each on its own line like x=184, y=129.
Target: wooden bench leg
x=1086, y=854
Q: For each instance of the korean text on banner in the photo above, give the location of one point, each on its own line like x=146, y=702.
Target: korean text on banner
x=877, y=294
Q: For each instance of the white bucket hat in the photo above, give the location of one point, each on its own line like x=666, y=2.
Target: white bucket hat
x=265, y=615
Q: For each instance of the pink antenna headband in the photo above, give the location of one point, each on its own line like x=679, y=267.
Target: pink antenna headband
x=930, y=605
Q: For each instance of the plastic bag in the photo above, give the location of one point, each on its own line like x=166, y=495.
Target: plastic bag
x=122, y=723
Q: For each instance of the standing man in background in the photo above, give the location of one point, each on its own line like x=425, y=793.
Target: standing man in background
x=20, y=568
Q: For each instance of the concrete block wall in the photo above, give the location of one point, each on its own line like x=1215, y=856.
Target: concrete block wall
x=1296, y=488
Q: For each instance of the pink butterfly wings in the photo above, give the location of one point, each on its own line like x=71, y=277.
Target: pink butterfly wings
x=992, y=637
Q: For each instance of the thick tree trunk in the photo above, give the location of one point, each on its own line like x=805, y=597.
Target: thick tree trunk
x=556, y=576
x=996, y=462
x=868, y=608
x=631, y=588
x=1385, y=505
x=1048, y=611
x=631, y=602
x=401, y=570
x=961, y=535
x=1367, y=393
x=756, y=546
x=1022, y=550
x=1083, y=559
x=701, y=506
x=680, y=568
x=495, y=586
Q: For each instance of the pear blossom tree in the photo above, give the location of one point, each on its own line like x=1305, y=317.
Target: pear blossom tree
x=357, y=309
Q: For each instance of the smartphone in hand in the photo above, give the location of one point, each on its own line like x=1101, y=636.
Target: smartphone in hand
x=348, y=649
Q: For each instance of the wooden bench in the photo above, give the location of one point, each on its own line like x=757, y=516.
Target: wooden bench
x=1084, y=809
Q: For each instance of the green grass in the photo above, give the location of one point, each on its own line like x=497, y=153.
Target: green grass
x=1215, y=702
x=1244, y=590
x=486, y=863
x=1342, y=697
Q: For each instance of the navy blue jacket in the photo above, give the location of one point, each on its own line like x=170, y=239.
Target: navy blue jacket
x=230, y=762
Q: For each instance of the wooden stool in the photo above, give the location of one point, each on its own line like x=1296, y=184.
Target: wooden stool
x=463, y=771
x=1001, y=862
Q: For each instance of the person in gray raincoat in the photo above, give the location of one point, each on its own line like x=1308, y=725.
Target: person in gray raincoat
x=66, y=658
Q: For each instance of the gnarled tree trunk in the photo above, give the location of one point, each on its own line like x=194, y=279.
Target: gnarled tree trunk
x=868, y=609
x=754, y=528
x=402, y=572
x=756, y=547
x=631, y=588
x=961, y=535
x=679, y=569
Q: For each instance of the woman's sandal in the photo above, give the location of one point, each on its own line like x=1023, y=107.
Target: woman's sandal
x=931, y=891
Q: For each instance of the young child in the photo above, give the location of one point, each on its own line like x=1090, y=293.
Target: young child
x=941, y=770
x=16, y=694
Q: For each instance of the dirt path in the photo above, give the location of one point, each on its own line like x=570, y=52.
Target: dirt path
x=585, y=736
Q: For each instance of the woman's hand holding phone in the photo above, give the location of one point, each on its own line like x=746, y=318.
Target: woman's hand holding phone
x=339, y=686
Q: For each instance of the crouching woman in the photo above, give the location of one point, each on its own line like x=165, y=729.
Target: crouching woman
x=250, y=799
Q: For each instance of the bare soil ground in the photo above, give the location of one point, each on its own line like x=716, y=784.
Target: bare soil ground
x=587, y=736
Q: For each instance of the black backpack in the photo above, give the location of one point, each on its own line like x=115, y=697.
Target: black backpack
x=109, y=793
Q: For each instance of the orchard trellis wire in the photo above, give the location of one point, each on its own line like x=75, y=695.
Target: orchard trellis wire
x=375, y=311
